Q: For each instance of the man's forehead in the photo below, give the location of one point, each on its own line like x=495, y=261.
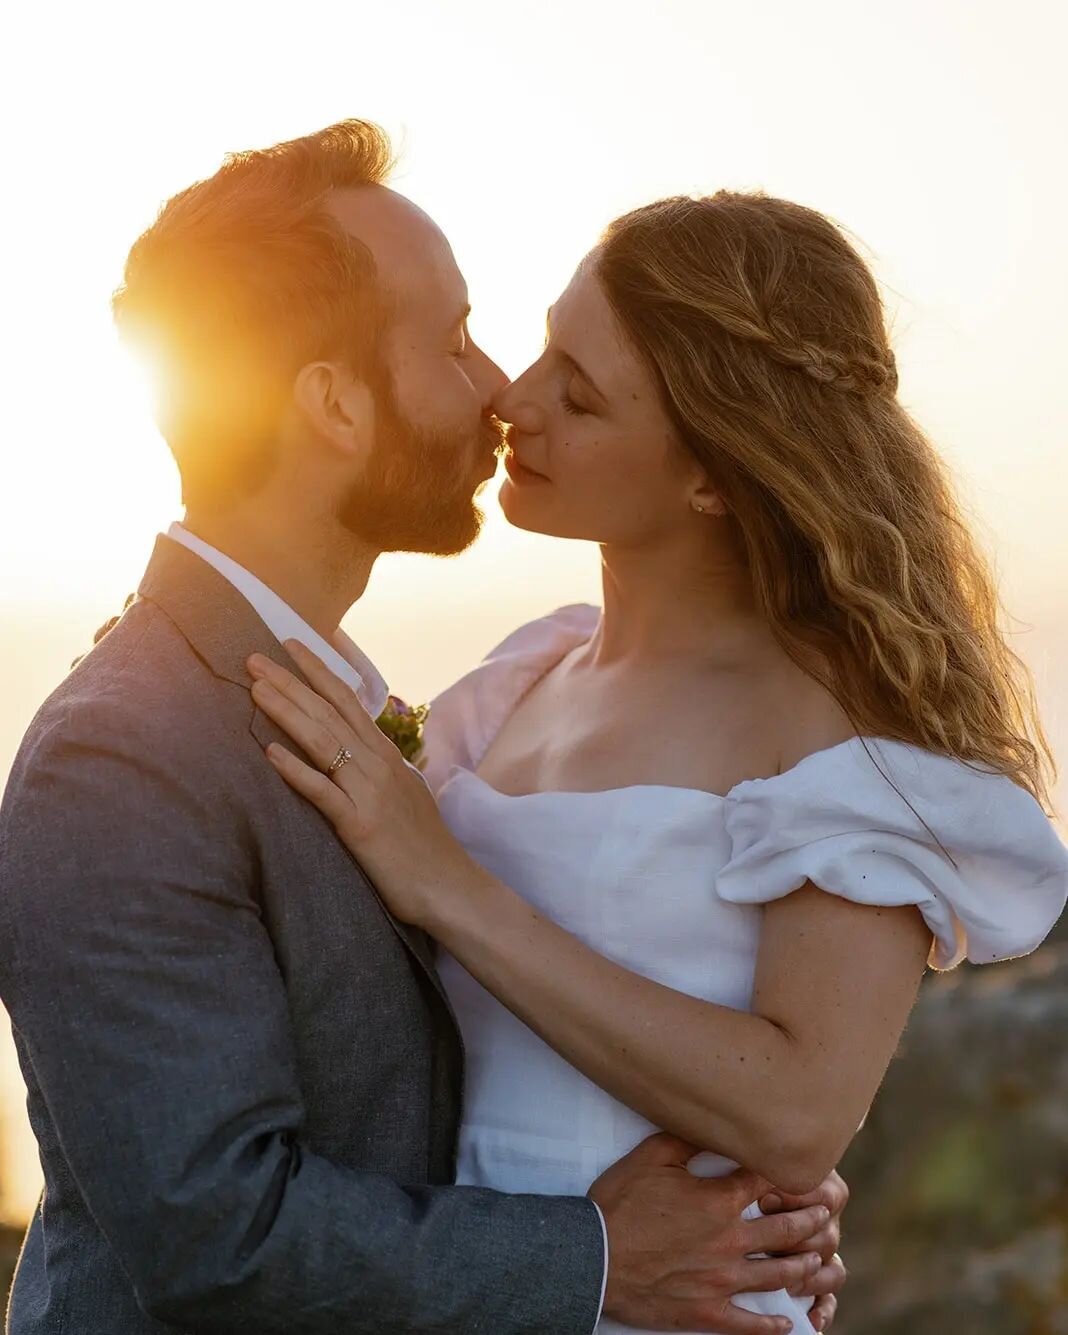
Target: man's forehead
x=410, y=251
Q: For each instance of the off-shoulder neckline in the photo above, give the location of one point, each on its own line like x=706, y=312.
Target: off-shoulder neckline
x=850, y=744
x=564, y=630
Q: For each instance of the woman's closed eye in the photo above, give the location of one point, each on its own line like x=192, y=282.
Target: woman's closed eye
x=570, y=406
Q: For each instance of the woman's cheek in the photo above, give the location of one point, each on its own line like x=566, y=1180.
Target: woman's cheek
x=573, y=440
x=596, y=488
x=590, y=460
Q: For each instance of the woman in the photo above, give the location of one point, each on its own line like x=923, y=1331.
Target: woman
x=691, y=854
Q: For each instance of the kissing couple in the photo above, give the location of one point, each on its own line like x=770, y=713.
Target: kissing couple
x=566, y=1025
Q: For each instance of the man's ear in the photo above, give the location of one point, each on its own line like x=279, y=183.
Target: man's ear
x=336, y=406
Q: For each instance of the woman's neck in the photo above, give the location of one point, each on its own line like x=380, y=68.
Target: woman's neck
x=679, y=602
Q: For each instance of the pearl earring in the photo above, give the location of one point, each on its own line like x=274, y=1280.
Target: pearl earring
x=698, y=507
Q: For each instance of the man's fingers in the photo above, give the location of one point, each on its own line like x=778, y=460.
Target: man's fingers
x=734, y=1320
x=823, y=1312
x=828, y=1279
x=742, y=1186
x=780, y=1272
x=827, y=1241
x=833, y=1192
x=785, y=1232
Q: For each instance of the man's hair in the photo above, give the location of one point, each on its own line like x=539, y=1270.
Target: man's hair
x=243, y=279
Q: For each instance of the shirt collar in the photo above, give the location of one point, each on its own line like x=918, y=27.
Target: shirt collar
x=339, y=654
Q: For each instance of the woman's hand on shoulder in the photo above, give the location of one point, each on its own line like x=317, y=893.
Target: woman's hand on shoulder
x=380, y=806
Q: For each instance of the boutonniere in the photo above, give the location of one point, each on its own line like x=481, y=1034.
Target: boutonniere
x=403, y=725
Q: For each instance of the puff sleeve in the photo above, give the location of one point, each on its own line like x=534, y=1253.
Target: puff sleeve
x=886, y=823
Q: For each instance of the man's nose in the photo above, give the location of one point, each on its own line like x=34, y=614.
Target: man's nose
x=491, y=379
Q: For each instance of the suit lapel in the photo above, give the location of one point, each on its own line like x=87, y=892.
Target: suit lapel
x=221, y=625
x=265, y=731
x=223, y=629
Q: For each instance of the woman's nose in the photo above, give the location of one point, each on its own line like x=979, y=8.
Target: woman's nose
x=512, y=405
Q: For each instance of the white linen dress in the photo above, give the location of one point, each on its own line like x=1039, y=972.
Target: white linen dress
x=669, y=882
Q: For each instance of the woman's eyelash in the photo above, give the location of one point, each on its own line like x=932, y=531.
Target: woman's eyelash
x=570, y=406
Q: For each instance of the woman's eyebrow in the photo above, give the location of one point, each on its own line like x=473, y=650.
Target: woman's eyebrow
x=570, y=362
x=581, y=372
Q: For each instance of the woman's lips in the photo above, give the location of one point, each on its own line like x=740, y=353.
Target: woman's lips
x=519, y=472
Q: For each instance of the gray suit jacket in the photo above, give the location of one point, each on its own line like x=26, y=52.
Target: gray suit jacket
x=244, y=1075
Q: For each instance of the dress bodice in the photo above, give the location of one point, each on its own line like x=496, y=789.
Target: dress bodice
x=670, y=883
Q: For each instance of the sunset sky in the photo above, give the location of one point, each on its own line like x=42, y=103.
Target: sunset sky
x=932, y=129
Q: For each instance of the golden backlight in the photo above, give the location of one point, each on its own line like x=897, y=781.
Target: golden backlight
x=934, y=131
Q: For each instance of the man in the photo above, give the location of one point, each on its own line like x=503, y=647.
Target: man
x=244, y=1076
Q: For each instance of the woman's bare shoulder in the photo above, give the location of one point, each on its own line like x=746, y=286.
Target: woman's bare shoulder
x=816, y=722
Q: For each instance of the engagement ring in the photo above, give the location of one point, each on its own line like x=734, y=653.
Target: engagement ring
x=342, y=758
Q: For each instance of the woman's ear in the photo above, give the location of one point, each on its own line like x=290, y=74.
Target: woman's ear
x=337, y=407
x=706, y=499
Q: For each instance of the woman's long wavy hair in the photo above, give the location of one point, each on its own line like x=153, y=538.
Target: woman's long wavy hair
x=765, y=331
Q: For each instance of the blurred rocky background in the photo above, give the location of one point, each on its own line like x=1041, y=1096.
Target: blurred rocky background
x=10, y=1242
x=958, y=1223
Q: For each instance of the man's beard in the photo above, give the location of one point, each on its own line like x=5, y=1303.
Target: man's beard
x=412, y=498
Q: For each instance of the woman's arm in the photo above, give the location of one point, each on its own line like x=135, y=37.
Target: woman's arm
x=781, y=1090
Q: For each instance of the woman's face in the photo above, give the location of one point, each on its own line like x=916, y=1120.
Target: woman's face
x=592, y=452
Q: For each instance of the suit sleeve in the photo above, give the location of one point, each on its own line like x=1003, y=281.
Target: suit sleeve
x=143, y=985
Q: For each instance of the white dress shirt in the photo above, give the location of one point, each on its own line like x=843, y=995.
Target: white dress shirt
x=340, y=654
